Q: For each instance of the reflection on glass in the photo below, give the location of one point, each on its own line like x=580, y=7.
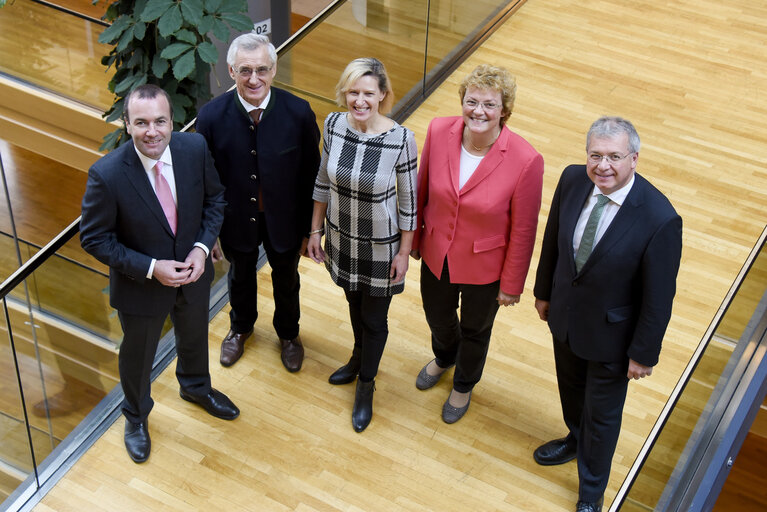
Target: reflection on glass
x=673, y=448
x=54, y=50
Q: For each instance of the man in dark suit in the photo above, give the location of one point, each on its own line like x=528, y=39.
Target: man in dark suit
x=265, y=144
x=151, y=210
x=605, y=283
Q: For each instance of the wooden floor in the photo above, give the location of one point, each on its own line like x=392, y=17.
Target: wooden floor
x=691, y=77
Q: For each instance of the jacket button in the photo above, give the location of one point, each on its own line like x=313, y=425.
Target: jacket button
x=253, y=152
x=451, y=226
x=252, y=219
x=252, y=128
x=253, y=177
x=253, y=199
x=449, y=237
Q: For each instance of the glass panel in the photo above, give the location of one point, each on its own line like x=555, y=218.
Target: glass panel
x=674, y=447
x=15, y=451
x=392, y=31
x=54, y=50
x=454, y=23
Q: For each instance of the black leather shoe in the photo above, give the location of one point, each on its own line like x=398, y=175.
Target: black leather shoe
x=292, y=354
x=215, y=403
x=589, y=506
x=557, y=451
x=346, y=374
x=233, y=346
x=362, y=412
x=137, y=440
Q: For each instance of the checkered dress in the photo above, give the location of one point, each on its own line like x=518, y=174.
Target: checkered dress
x=368, y=182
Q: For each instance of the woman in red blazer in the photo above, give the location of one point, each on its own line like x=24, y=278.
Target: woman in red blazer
x=479, y=194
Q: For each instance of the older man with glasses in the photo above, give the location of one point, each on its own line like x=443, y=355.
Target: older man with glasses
x=265, y=143
x=605, y=284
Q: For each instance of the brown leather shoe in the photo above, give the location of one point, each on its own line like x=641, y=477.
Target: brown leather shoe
x=292, y=354
x=233, y=346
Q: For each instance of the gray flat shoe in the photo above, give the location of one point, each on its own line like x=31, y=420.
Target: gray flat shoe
x=426, y=381
x=452, y=414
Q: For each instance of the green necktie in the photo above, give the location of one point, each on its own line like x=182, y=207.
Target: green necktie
x=589, y=232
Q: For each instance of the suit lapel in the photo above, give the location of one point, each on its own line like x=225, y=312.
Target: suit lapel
x=137, y=177
x=490, y=162
x=454, y=153
x=571, y=211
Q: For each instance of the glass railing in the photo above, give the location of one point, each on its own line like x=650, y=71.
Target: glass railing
x=59, y=360
x=709, y=406
x=419, y=42
x=50, y=292
x=55, y=50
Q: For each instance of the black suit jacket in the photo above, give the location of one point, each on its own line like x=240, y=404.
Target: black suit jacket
x=281, y=153
x=124, y=227
x=619, y=305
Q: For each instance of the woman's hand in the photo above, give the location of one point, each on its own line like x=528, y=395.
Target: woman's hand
x=507, y=300
x=398, y=267
x=314, y=248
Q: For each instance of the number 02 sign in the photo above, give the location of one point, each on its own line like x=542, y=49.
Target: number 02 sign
x=263, y=27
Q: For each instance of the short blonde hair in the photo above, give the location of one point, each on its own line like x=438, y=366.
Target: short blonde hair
x=356, y=69
x=493, y=78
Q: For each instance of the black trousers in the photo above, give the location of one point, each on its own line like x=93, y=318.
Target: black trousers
x=139, y=345
x=370, y=324
x=461, y=342
x=592, y=396
x=242, y=280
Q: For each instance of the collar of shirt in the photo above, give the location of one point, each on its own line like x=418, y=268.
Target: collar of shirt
x=167, y=169
x=250, y=106
x=619, y=195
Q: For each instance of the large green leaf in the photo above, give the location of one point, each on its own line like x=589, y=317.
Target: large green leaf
x=159, y=65
x=207, y=52
x=186, y=36
x=155, y=8
x=220, y=30
x=192, y=11
x=139, y=30
x=233, y=6
x=127, y=83
x=115, y=30
x=213, y=5
x=126, y=39
x=206, y=24
x=238, y=22
x=184, y=66
x=170, y=21
x=174, y=50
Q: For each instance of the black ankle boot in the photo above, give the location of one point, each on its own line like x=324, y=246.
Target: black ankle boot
x=347, y=373
x=363, y=405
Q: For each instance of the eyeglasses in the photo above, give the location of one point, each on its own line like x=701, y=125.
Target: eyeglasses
x=261, y=71
x=614, y=158
x=487, y=106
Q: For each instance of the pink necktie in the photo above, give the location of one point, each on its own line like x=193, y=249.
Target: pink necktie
x=162, y=189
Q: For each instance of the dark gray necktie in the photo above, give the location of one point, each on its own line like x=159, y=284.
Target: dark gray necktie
x=589, y=232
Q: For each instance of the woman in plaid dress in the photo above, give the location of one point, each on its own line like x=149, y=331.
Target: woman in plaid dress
x=365, y=203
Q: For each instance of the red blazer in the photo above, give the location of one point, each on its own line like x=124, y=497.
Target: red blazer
x=487, y=228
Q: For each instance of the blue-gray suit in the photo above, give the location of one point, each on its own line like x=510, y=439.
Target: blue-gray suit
x=615, y=309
